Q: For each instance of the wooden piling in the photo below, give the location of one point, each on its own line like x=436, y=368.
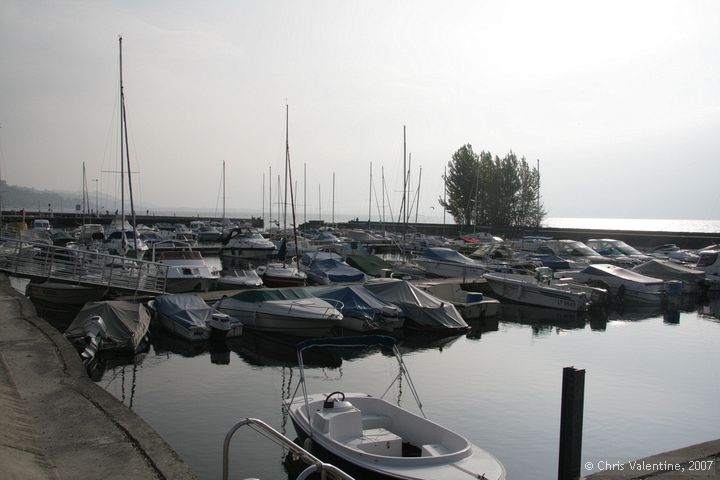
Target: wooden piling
x=571, y=421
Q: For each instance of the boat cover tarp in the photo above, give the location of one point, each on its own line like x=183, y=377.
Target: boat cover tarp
x=310, y=257
x=670, y=271
x=336, y=271
x=357, y=301
x=325, y=237
x=126, y=322
x=423, y=310
x=444, y=254
x=269, y=294
x=187, y=309
x=607, y=270
x=370, y=264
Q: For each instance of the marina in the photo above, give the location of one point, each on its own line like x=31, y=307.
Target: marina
x=500, y=379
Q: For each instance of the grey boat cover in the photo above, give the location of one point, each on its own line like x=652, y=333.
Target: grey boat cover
x=259, y=295
x=126, y=322
x=422, y=310
x=357, y=301
x=606, y=270
x=187, y=309
x=666, y=270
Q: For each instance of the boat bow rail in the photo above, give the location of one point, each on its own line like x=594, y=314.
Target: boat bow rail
x=39, y=260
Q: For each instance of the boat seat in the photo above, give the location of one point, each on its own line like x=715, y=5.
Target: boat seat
x=375, y=421
x=378, y=441
x=433, y=450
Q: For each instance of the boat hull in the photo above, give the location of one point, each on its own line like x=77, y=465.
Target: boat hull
x=528, y=292
x=287, y=318
x=380, y=436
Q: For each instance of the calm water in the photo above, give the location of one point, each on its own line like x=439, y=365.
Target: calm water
x=652, y=385
x=642, y=224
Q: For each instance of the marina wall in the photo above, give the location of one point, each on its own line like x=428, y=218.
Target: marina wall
x=637, y=238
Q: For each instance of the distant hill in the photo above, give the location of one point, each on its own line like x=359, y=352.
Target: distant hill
x=32, y=200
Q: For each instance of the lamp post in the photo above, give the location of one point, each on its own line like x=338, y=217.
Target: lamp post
x=97, y=212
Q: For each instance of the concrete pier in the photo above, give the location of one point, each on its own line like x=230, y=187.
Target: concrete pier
x=55, y=422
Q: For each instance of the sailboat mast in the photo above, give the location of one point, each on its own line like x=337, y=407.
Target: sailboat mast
x=127, y=154
x=122, y=148
x=289, y=171
x=370, y=198
x=223, y=188
x=417, y=205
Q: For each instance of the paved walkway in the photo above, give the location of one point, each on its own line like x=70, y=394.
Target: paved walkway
x=55, y=422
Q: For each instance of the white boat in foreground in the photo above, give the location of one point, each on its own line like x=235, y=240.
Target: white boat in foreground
x=381, y=437
x=544, y=291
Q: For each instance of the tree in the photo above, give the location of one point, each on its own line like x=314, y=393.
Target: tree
x=499, y=192
x=461, y=185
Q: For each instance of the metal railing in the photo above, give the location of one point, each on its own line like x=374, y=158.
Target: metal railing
x=80, y=266
x=315, y=464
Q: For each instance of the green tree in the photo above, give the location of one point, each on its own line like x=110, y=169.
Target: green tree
x=461, y=184
x=498, y=192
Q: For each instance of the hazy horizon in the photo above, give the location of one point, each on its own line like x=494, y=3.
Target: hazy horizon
x=617, y=100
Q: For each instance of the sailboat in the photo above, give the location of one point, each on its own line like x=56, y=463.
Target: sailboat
x=282, y=274
x=123, y=238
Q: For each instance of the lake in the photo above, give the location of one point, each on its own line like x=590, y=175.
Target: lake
x=651, y=385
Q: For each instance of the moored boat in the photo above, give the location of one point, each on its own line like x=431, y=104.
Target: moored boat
x=293, y=311
x=544, y=291
x=381, y=437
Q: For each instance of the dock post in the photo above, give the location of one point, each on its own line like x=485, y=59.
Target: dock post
x=571, y=421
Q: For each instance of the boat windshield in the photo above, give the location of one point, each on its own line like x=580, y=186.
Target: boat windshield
x=626, y=249
x=576, y=249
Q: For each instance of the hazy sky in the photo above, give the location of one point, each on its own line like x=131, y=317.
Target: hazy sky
x=619, y=100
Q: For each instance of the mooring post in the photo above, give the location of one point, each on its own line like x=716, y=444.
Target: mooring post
x=571, y=421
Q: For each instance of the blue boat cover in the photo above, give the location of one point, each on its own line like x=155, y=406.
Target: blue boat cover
x=357, y=301
x=336, y=271
x=187, y=309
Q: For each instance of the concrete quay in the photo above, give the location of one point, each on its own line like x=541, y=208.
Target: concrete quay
x=56, y=423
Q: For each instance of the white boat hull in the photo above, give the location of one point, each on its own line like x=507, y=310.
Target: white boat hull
x=370, y=434
x=298, y=317
x=524, y=289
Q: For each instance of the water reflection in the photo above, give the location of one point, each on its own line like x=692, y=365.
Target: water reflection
x=542, y=320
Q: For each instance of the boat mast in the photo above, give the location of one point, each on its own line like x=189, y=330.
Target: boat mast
x=333, y=200
x=124, y=132
x=417, y=205
x=223, y=189
x=289, y=171
x=269, y=196
x=370, y=199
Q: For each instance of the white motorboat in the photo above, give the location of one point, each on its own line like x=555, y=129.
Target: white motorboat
x=471, y=305
x=544, y=291
x=238, y=280
x=692, y=279
x=446, y=262
x=622, y=253
x=188, y=316
x=278, y=275
x=247, y=243
x=623, y=284
x=381, y=437
x=187, y=271
x=293, y=311
x=709, y=262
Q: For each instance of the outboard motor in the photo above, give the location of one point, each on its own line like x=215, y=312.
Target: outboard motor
x=95, y=332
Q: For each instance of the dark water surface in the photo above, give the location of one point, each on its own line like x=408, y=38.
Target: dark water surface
x=652, y=385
